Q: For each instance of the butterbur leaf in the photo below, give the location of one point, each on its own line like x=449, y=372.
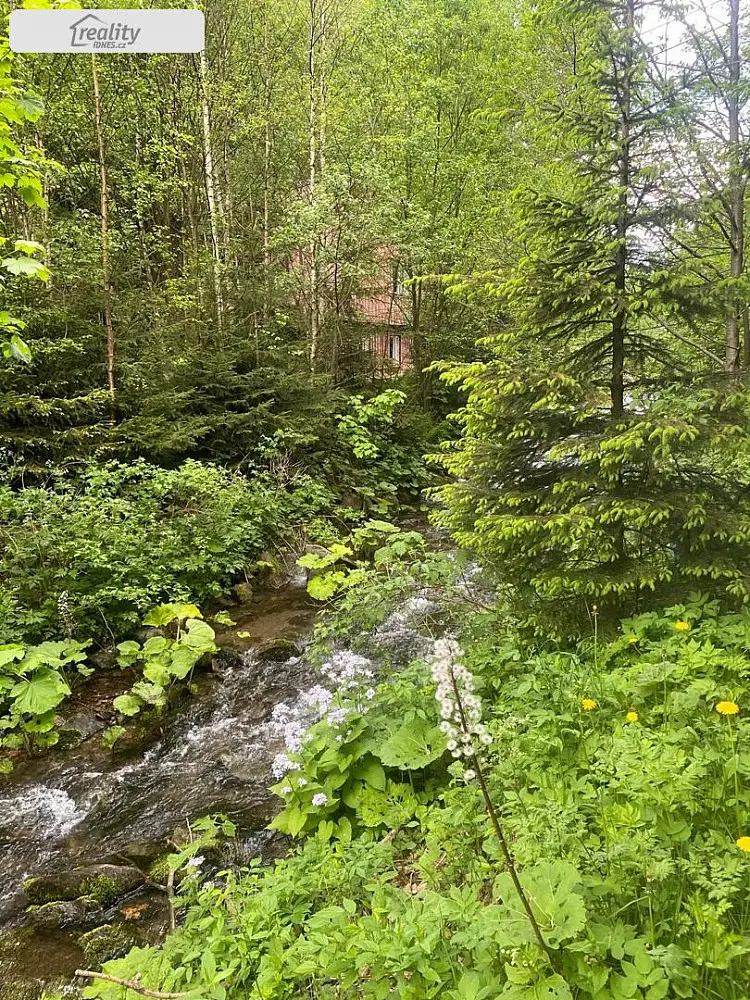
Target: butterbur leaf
x=370, y=771
x=40, y=693
x=156, y=644
x=199, y=635
x=383, y=526
x=412, y=746
x=183, y=661
x=322, y=588
x=166, y=613
x=157, y=671
x=152, y=694
x=40, y=723
x=127, y=704
x=112, y=735
x=10, y=652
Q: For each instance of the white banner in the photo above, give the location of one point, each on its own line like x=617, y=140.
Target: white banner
x=107, y=31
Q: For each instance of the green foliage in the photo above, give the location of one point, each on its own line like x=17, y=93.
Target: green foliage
x=570, y=505
x=21, y=173
x=34, y=680
x=626, y=821
x=378, y=546
x=121, y=538
x=163, y=659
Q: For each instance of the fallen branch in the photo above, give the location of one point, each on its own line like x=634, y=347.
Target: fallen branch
x=132, y=984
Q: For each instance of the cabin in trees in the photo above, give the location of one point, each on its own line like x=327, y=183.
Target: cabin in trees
x=376, y=309
x=383, y=308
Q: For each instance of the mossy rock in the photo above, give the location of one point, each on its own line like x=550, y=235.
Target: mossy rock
x=276, y=650
x=58, y=914
x=108, y=941
x=102, y=883
x=159, y=870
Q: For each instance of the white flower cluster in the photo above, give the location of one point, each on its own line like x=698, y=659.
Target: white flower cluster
x=317, y=698
x=281, y=765
x=460, y=707
x=347, y=670
x=291, y=729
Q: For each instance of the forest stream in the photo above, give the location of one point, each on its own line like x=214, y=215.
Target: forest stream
x=87, y=807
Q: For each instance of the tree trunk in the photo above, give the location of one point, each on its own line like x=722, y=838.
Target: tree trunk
x=312, y=180
x=104, y=206
x=620, y=317
x=736, y=195
x=213, y=210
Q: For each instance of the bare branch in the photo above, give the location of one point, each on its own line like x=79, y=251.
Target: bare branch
x=132, y=984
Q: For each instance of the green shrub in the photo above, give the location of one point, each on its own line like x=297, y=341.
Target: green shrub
x=621, y=775
x=121, y=539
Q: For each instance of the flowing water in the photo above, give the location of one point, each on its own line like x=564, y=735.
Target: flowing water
x=86, y=806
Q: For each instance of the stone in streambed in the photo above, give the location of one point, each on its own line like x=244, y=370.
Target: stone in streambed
x=243, y=592
x=103, y=883
x=108, y=941
x=80, y=727
x=64, y=913
x=276, y=650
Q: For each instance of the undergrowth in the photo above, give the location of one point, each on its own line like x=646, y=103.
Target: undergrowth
x=619, y=770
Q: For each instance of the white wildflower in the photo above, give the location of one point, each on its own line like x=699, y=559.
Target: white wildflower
x=281, y=765
x=460, y=706
x=319, y=799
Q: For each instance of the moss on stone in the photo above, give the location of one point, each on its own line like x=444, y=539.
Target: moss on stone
x=159, y=869
x=106, y=942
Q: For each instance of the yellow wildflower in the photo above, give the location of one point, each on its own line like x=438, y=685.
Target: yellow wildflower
x=587, y=704
x=682, y=626
x=727, y=708
x=744, y=844
x=631, y=717
x=632, y=638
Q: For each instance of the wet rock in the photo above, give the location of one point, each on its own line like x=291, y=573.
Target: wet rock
x=108, y=941
x=103, y=883
x=273, y=573
x=316, y=550
x=298, y=580
x=243, y=592
x=276, y=650
x=59, y=914
x=225, y=659
x=142, y=852
x=79, y=727
x=147, y=632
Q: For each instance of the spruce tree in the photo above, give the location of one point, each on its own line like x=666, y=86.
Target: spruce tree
x=587, y=467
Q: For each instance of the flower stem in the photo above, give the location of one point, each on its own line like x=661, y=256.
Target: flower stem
x=510, y=863
x=495, y=821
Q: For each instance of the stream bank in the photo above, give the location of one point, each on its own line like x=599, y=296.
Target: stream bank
x=109, y=815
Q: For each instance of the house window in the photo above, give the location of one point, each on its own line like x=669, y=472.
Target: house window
x=398, y=281
x=394, y=349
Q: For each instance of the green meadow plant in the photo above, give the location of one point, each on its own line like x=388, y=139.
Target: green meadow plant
x=616, y=774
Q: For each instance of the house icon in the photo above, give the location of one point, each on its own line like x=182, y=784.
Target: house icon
x=79, y=26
